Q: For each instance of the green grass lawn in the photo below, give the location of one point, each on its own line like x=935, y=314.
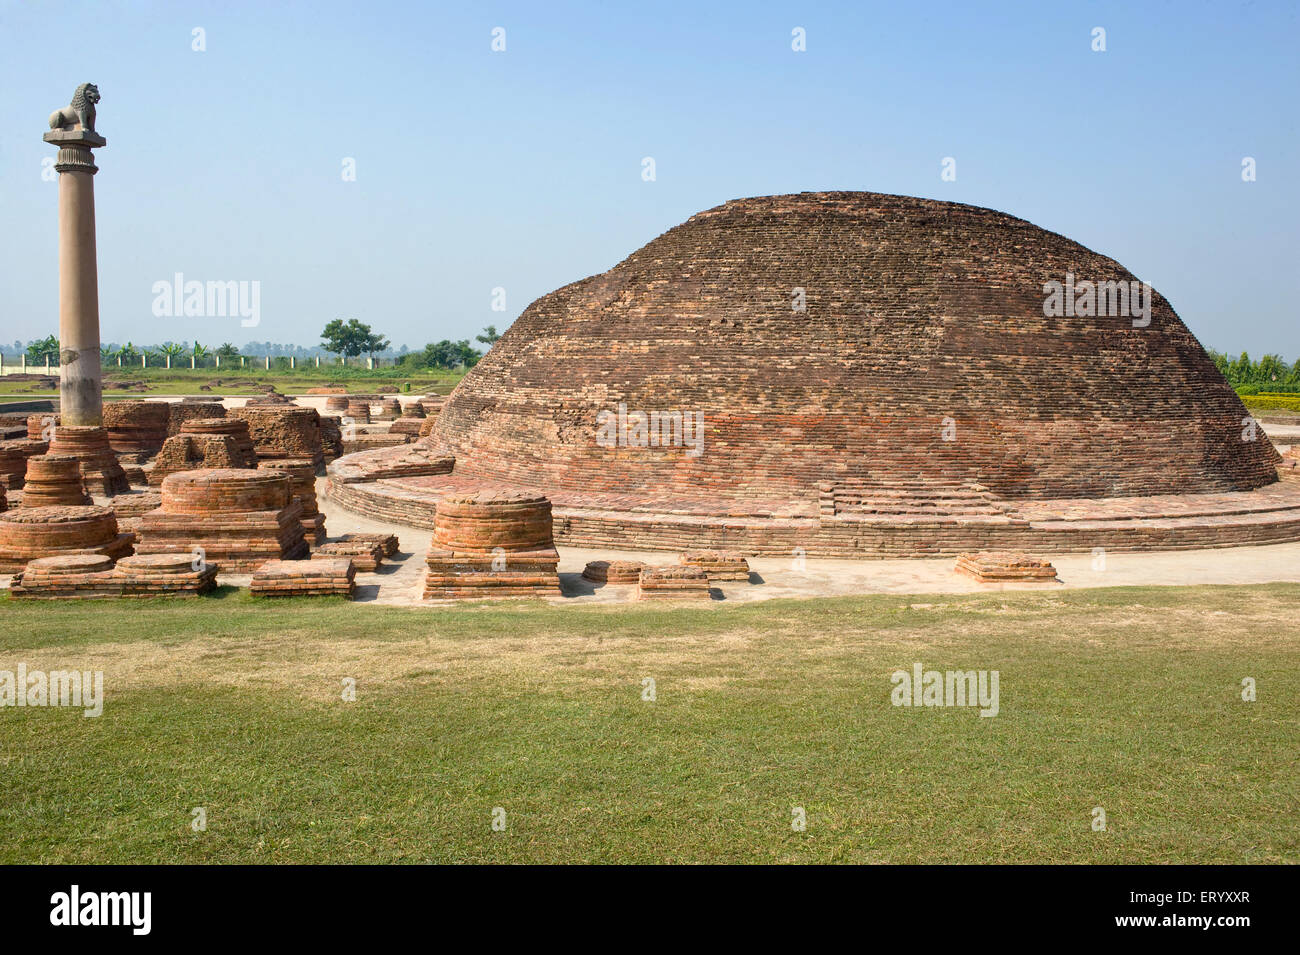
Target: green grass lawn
x=1128, y=699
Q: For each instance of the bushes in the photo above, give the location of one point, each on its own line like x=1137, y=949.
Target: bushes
x=1271, y=402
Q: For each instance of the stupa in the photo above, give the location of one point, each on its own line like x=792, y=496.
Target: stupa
x=849, y=374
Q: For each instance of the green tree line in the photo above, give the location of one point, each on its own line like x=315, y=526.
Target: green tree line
x=1269, y=373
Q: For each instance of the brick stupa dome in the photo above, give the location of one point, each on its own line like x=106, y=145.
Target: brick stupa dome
x=921, y=381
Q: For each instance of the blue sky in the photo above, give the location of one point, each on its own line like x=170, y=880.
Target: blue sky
x=522, y=169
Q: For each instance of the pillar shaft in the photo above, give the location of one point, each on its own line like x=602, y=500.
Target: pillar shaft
x=81, y=390
x=80, y=383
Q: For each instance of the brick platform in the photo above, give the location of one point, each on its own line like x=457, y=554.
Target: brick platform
x=234, y=428
x=411, y=421
x=136, y=427
x=40, y=427
x=674, y=583
x=272, y=399
x=614, y=571
x=28, y=533
x=361, y=484
x=100, y=469
x=240, y=518
x=53, y=480
x=718, y=564
x=1006, y=567
x=304, y=578
x=179, y=412
x=195, y=452
x=361, y=441
x=284, y=431
x=337, y=403
x=488, y=544
x=302, y=478
x=359, y=409
x=91, y=577
x=388, y=544
x=331, y=437
x=129, y=508
x=366, y=556
x=14, y=456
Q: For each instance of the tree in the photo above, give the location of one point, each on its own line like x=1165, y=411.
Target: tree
x=1271, y=368
x=489, y=336
x=448, y=354
x=39, y=350
x=227, y=350
x=375, y=343
x=198, y=353
x=172, y=350
x=467, y=354
x=349, y=338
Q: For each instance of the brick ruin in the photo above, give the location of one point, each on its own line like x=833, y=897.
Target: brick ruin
x=240, y=518
x=284, y=431
x=718, y=564
x=27, y=533
x=188, y=409
x=613, y=571
x=411, y=418
x=129, y=508
x=1002, y=567
x=302, y=482
x=54, y=479
x=492, y=544
x=388, y=543
x=871, y=376
x=359, y=409
x=335, y=577
x=89, y=577
x=234, y=428
x=40, y=427
x=100, y=468
x=14, y=456
x=136, y=431
x=331, y=437
x=365, y=555
x=674, y=583
x=203, y=443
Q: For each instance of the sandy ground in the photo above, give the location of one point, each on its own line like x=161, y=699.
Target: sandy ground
x=400, y=581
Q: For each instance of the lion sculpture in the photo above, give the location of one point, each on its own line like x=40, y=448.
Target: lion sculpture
x=81, y=110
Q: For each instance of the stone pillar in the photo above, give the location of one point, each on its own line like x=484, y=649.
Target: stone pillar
x=81, y=395
x=80, y=431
